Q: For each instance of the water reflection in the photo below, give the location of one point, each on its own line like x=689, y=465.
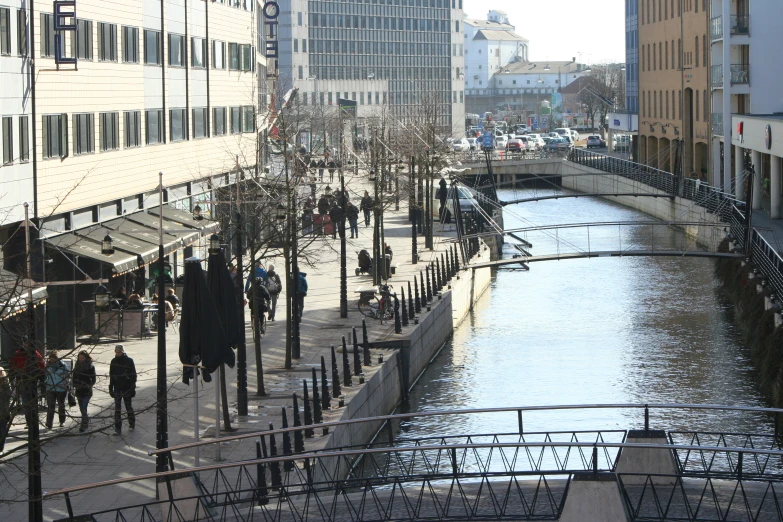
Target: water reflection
x=608, y=330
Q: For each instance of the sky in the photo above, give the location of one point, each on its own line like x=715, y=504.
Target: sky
x=561, y=29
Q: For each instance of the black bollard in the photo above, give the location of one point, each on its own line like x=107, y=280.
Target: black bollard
x=455, y=258
x=417, y=299
x=438, y=279
x=288, y=465
x=346, y=366
x=357, y=359
x=277, y=479
x=335, y=376
x=414, y=244
x=397, y=321
x=444, y=270
x=404, y=307
x=308, y=414
x=262, y=491
x=326, y=402
x=317, y=414
x=366, y=344
x=429, y=285
x=298, y=435
x=411, y=312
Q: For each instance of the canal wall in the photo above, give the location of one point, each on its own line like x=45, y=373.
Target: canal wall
x=407, y=355
x=584, y=179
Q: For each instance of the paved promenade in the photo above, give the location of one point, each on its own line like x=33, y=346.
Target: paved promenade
x=71, y=458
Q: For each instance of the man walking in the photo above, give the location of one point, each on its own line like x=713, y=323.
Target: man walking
x=352, y=213
x=366, y=208
x=273, y=286
x=336, y=216
x=301, y=294
x=122, y=387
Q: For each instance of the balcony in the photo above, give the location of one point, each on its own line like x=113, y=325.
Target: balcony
x=740, y=26
x=740, y=74
x=717, y=123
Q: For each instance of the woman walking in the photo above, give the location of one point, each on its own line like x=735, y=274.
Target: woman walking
x=83, y=382
x=56, y=388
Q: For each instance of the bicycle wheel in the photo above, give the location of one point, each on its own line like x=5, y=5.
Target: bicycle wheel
x=369, y=307
x=387, y=309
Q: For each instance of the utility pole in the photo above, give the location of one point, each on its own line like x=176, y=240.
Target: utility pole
x=162, y=414
x=242, y=347
x=343, y=246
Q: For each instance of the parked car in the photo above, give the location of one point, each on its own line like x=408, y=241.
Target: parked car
x=558, y=144
x=516, y=145
x=595, y=141
x=461, y=145
x=467, y=200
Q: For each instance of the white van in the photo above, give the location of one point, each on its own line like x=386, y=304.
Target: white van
x=563, y=131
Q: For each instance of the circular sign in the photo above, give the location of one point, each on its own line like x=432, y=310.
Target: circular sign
x=768, y=137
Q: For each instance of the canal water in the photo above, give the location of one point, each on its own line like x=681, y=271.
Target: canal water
x=590, y=331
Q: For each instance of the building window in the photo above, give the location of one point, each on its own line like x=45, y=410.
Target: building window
x=179, y=124
x=299, y=19
x=47, y=35
x=5, y=33
x=247, y=57
x=176, y=50
x=152, y=48
x=198, y=51
x=55, y=136
x=21, y=32
x=130, y=44
x=8, y=140
x=199, y=123
x=301, y=73
x=296, y=45
x=218, y=54
x=248, y=118
x=219, y=121
x=154, y=126
x=132, y=129
x=83, y=134
x=110, y=130
x=81, y=45
x=107, y=42
x=24, y=139
x=233, y=56
x=236, y=120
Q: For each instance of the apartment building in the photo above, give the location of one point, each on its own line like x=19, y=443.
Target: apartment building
x=93, y=112
x=374, y=53
x=491, y=45
x=745, y=79
x=674, y=122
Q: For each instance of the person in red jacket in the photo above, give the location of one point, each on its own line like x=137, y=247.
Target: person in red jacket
x=24, y=379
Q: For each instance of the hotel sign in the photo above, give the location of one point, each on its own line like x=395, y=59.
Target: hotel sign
x=271, y=12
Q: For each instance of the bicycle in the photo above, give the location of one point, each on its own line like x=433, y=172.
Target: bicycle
x=372, y=306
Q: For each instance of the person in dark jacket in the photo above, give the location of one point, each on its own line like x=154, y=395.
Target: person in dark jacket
x=442, y=192
x=274, y=287
x=5, y=406
x=172, y=298
x=262, y=297
x=301, y=293
x=337, y=216
x=323, y=204
x=23, y=379
x=366, y=205
x=321, y=167
x=352, y=213
x=57, y=385
x=332, y=166
x=122, y=387
x=83, y=381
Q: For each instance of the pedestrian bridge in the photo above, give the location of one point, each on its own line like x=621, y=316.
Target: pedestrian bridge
x=592, y=473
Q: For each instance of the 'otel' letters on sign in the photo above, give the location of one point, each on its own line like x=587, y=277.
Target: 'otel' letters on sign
x=271, y=14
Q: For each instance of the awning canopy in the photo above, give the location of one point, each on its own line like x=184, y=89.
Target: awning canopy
x=119, y=262
x=14, y=293
x=134, y=237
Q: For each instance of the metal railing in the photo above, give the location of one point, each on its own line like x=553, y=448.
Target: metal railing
x=716, y=75
x=716, y=28
x=740, y=25
x=740, y=73
x=717, y=123
x=768, y=260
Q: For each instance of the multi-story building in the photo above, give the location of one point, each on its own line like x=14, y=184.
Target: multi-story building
x=139, y=87
x=745, y=82
x=490, y=45
x=627, y=121
x=374, y=53
x=674, y=84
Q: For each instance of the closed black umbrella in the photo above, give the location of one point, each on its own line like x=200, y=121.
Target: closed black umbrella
x=224, y=294
x=202, y=339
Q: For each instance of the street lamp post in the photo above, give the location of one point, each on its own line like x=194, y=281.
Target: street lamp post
x=343, y=246
x=162, y=438
x=242, y=347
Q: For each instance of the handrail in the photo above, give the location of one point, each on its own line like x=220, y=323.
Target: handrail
x=410, y=449
x=470, y=411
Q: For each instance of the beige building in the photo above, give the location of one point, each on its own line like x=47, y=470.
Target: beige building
x=674, y=106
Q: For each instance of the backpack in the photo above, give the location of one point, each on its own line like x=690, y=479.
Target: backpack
x=272, y=286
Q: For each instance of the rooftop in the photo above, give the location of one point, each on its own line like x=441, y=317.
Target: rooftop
x=488, y=34
x=487, y=24
x=539, y=67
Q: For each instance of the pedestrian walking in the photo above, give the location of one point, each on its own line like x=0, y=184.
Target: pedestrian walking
x=352, y=213
x=23, y=379
x=262, y=297
x=323, y=205
x=5, y=406
x=56, y=384
x=321, y=167
x=366, y=205
x=122, y=387
x=274, y=286
x=332, y=166
x=83, y=382
x=301, y=294
x=442, y=192
x=336, y=215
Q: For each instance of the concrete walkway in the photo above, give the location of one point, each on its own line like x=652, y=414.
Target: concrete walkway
x=71, y=458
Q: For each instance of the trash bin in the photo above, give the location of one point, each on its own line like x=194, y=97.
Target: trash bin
x=387, y=257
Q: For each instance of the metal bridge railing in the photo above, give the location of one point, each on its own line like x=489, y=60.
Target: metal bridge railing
x=768, y=260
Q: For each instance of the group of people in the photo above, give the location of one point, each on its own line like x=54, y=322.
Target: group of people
x=29, y=372
x=331, y=204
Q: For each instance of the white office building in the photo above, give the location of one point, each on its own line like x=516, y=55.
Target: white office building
x=490, y=46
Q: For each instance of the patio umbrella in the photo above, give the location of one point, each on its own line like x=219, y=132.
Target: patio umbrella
x=202, y=339
x=224, y=293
